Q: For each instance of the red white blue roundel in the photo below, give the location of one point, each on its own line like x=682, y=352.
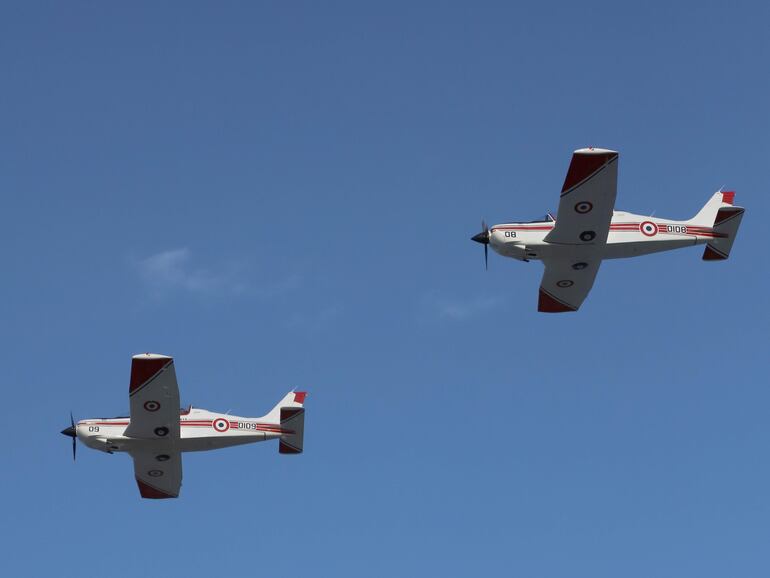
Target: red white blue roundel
x=648, y=228
x=221, y=424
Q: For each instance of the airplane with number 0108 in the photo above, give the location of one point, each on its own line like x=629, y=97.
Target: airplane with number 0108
x=587, y=230
x=157, y=431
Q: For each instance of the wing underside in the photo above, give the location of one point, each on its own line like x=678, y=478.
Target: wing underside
x=582, y=226
x=566, y=283
x=587, y=199
x=158, y=472
x=154, y=397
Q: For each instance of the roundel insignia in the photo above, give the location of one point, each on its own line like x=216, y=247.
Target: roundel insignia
x=579, y=266
x=587, y=236
x=564, y=283
x=648, y=228
x=151, y=405
x=163, y=457
x=155, y=473
x=161, y=431
x=583, y=207
x=221, y=425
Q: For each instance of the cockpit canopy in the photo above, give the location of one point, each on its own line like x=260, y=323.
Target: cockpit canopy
x=547, y=218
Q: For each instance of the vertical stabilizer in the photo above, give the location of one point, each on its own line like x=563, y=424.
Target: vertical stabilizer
x=706, y=216
x=291, y=399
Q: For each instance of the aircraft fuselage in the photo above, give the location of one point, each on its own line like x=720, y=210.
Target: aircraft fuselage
x=629, y=236
x=200, y=430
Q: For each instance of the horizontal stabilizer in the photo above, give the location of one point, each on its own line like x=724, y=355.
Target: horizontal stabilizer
x=292, y=430
x=726, y=223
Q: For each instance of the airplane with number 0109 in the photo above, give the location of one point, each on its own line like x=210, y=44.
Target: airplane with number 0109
x=587, y=230
x=157, y=431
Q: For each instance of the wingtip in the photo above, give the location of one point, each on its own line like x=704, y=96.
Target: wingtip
x=144, y=367
x=547, y=303
x=148, y=355
x=595, y=151
x=151, y=492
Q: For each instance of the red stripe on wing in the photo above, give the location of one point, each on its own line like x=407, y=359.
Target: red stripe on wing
x=583, y=165
x=144, y=369
x=151, y=492
x=547, y=303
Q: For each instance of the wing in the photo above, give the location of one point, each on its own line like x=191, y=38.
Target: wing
x=154, y=396
x=566, y=283
x=587, y=199
x=158, y=473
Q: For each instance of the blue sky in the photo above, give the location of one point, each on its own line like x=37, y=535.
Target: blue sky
x=282, y=194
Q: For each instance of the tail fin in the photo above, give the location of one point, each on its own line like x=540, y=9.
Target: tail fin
x=290, y=414
x=708, y=213
x=291, y=399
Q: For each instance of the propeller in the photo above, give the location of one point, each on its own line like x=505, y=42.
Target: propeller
x=72, y=432
x=483, y=238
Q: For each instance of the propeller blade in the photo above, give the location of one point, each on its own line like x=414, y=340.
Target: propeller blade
x=483, y=238
x=72, y=432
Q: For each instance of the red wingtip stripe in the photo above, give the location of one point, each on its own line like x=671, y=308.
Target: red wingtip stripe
x=299, y=396
x=711, y=254
x=583, y=166
x=144, y=369
x=548, y=304
x=150, y=492
x=728, y=197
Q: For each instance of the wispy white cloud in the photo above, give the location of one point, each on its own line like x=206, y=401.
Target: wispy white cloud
x=174, y=270
x=463, y=309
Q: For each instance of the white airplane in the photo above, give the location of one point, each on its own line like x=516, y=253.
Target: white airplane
x=157, y=432
x=587, y=230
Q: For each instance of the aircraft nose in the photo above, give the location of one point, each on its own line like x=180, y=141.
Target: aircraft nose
x=70, y=431
x=482, y=238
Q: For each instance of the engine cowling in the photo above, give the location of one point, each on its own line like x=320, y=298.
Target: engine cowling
x=514, y=251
